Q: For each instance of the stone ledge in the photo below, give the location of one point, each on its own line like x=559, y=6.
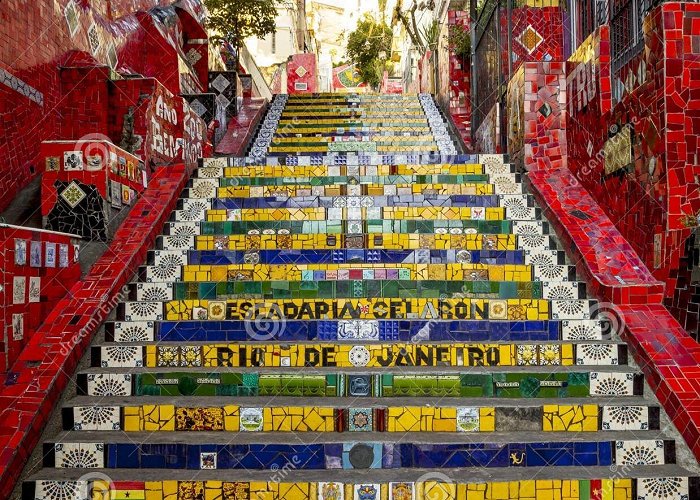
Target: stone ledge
x=242, y=127
x=603, y=256
x=670, y=360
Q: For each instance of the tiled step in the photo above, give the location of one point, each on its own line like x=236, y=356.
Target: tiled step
x=670, y=482
x=376, y=330
x=479, y=383
x=372, y=213
x=270, y=265
x=529, y=229
x=209, y=185
x=366, y=355
x=375, y=241
x=360, y=308
x=459, y=263
x=194, y=207
x=399, y=132
x=266, y=414
x=296, y=189
x=302, y=166
x=328, y=451
x=381, y=287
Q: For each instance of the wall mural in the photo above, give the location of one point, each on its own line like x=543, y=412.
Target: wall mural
x=86, y=35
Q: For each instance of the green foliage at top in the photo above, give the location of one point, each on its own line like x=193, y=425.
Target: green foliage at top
x=364, y=46
x=460, y=40
x=235, y=20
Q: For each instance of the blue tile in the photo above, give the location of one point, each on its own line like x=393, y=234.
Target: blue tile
x=127, y=456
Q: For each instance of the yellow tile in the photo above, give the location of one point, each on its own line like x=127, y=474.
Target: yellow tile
x=154, y=490
x=487, y=419
x=498, y=491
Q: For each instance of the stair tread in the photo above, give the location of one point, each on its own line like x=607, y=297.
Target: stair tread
x=460, y=475
x=293, y=438
x=350, y=401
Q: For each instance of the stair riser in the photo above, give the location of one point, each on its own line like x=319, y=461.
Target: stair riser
x=516, y=386
x=364, y=455
x=332, y=289
x=351, y=330
x=366, y=355
x=358, y=418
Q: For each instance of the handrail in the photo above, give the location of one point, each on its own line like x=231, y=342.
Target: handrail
x=258, y=79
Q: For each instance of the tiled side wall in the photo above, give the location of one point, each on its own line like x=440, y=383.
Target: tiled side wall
x=302, y=74
x=67, y=34
x=654, y=129
x=536, y=31
x=39, y=267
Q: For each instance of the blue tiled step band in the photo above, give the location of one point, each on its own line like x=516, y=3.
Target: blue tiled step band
x=387, y=330
x=359, y=255
x=360, y=455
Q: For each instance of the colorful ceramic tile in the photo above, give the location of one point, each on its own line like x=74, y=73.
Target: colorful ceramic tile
x=639, y=452
x=35, y=254
x=53, y=164
x=34, y=289
x=207, y=460
x=20, y=252
x=19, y=289
x=96, y=418
x=365, y=491
x=331, y=491
x=115, y=194
x=251, y=419
x=468, y=419
x=51, y=256
x=17, y=326
x=360, y=419
x=402, y=491
x=622, y=418
x=62, y=255
x=73, y=160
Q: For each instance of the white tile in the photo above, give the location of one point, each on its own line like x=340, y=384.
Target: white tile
x=611, y=384
x=121, y=356
x=624, y=418
x=662, y=488
x=96, y=418
x=582, y=329
x=597, y=354
x=134, y=331
x=639, y=452
x=140, y=310
x=109, y=384
x=571, y=309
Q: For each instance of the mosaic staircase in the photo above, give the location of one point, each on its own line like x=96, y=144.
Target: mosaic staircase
x=372, y=320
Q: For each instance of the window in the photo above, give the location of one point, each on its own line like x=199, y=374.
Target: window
x=274, y=42
x=586, y=16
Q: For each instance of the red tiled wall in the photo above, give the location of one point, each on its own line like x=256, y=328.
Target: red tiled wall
x=43, y=367
x=54, y=284
x=129, y=43
x=309, y=76
x=83, y=108
x=647, y=202
x=127, y=172
x=159, y=122
x=537, y=34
